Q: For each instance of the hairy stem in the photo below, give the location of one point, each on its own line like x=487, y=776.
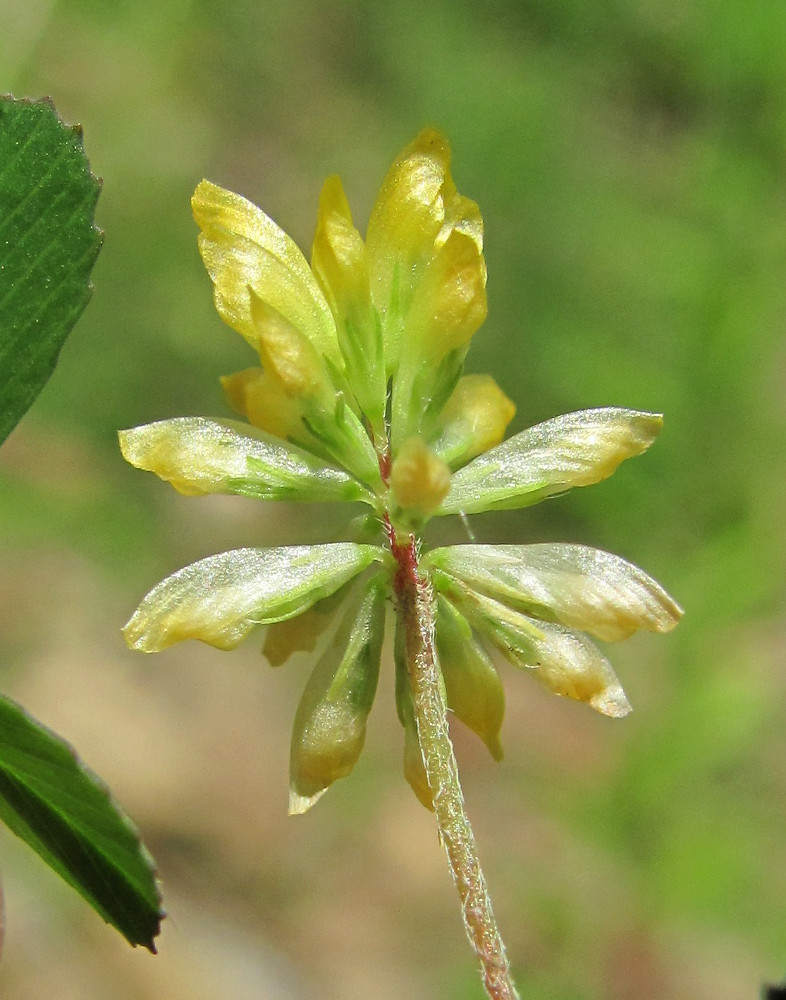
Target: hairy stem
x=415, y=606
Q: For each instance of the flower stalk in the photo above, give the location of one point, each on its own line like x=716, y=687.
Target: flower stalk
x=415, y=603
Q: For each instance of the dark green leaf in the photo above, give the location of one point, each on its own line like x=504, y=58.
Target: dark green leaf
x=48, y=245
x=66, y=814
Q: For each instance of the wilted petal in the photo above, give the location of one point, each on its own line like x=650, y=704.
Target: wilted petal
x=199, y=456
x=330, y=722
x=564, y=661
x=242, y=248
x=300, y=635
x=571, y=666
x=222, y=598
x=581, y=587
x=474, y=690
x=576, y=449
x=474, y=419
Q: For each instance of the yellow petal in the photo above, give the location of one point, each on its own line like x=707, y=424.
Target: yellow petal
x=260, y=399
x=474, y=419
x=339, y=263
x=338, y=257
x=287, y=353
x=448, y=306
x=242, y=248
x=450, y=302
x=406, y=218
x=419, y=479
x=416, y=211
x=302, y=375
x=460, y=213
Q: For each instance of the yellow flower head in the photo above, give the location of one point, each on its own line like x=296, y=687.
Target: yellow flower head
x=368, y=341
x=359, y=396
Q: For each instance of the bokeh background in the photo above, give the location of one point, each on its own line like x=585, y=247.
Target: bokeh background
x=629, y=157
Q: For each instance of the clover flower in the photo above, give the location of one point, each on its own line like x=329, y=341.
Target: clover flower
x=359, y=397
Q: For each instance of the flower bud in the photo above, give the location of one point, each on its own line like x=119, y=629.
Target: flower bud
x=419, y=479
x=474, y=419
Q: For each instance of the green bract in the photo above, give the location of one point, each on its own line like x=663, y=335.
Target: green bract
x=359, y=396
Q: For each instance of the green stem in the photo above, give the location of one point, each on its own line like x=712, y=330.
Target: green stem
x=415, y=606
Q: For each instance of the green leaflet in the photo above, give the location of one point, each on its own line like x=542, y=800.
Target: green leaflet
x=222, y=598
x=575, y=449
x=197, y=456
x=50, y=800
x=48, y=245
x=330, y=722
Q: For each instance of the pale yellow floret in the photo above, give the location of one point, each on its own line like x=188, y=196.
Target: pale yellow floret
x=338, y=257
x=419, y=479
x=475, y=419
x=260, y=399
x=611, y=446
x=287, y=354
x=160, y=454
x=243, y=248
x=449, y=304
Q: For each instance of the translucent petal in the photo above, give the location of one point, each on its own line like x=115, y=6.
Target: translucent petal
x=474, y=690
x=581, y=587
x=243, y=248
x=199, y=456
x=575, y=449
x=330, y=722
x=474, y=419
x=300, y=635
x=564, y=661
x=219, y=600
x=571, y=666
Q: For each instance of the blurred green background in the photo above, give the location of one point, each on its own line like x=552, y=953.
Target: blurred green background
x=629, y=157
